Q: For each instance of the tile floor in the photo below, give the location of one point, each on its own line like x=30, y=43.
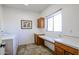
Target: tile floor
x=32, y=49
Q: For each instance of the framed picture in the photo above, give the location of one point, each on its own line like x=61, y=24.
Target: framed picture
x=26, y=24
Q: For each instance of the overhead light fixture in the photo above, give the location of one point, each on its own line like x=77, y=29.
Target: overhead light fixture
x=26, y=4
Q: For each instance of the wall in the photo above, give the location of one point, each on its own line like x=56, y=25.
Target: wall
x=1, y=18
x=12, y=24
x=70, y=19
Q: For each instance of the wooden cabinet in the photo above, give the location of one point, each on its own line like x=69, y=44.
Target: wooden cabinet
x=35, y=38
x=38, y=40
x=61, y=49
x=41, y=22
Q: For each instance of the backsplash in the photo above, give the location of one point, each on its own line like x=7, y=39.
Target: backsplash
x=70, y=37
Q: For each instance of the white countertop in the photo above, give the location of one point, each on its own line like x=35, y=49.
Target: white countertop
x=74, y=43
x=5, y=37
x=69, y=42
x=51, y=39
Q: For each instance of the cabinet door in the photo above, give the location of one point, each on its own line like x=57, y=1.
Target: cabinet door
x=59, y=51
x=38, y=40
x=67, y=53
x=35, y=38
x=9, y=46
x=40, y=22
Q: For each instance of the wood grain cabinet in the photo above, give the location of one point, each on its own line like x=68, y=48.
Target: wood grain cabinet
x=41, y=22
x=61, y=49
x=38, y=40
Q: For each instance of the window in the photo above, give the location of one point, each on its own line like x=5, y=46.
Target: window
x=54, y=22
x=50, y=24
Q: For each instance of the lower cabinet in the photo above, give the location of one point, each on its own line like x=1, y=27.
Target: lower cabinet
x=38, y=40
x=61, y=49
x=10, y=46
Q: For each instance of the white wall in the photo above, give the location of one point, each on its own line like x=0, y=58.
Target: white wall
x=12, y=24
x=70, y=18
x=0, y=21
x=1, y=18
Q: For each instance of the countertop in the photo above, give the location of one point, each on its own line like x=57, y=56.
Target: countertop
x=5, y=37
x=51, y=39
x=74, y=43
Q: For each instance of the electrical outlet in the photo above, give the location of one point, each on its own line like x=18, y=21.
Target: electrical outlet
x=70, y=31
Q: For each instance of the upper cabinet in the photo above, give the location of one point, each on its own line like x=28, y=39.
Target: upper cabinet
x=41, y=22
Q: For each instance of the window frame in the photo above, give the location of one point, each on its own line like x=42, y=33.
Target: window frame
x=52, y=16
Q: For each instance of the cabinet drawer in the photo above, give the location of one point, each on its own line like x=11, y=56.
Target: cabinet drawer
x=67, y=48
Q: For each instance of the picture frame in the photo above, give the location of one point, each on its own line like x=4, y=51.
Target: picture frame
x=26, y=24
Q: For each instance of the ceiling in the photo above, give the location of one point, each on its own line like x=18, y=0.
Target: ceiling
x=30, y=7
